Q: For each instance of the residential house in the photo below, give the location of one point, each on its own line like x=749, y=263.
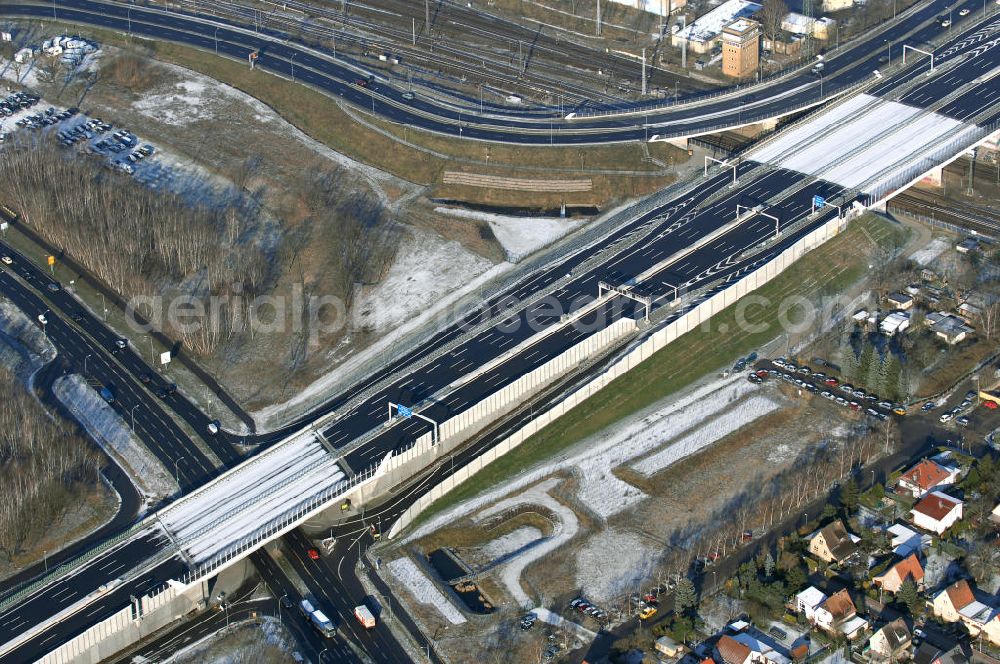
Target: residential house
x=832, y=543
x=948, y=327
x=892, y=579
x=936, y=512
x=900, y=301
x=924, y=477
x=957, y=603
x=906, y=540
x=668, y=648
x=807, y=601
x=761, y=652
x=928, y=653
x=838, y=614
x=730, y=651
x=897, y=321
x=891, y=643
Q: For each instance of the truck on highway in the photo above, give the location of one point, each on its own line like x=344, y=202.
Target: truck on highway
x=364, y=616
x=322, y=623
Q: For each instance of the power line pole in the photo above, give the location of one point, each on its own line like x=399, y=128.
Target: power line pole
x=414, y=31
x=427, y=15
x=598, y=18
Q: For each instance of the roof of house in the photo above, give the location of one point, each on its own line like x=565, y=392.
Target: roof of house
x=764, y=648
x=811, y=597
x=731, y=650
x=896, y=633
x=936, y=505
x=908, y=567
x=960, y=594
x=709, y=26
x=900, y=297
x=926, y=474
x=838, y=540
x=840, y=605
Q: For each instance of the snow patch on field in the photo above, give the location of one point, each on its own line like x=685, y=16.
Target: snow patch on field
x=519, y=236
x=703, y=436
x=612, y=562
x=26, y=333
x=510, y=543
x=595, y=456
x=423, y=589
x=430, y=275
x=934, y=249
x=426, y=270
x=557, y=620
x=114, y=436
x=565, y=528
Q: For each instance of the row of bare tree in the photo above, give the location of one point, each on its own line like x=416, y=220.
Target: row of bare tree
x=45, y=467
x=147, y=243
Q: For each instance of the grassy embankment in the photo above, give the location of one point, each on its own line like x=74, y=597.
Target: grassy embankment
x=367, y=141
x=830, y=269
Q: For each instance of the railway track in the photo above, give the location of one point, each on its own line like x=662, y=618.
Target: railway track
x=982, y=221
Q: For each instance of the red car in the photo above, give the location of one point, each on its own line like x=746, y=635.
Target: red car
x=313, y=554
x=992, y=405
x=832, y=382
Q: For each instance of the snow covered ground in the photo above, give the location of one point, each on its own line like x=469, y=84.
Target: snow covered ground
x=429, y=277
x=612, y=562
x=592, y=459
x=427, y=269
x=557, y=620
x=711, y=431
x=519, y=236
x=423, y=589
x=566, y=527
x=26, y=335
x=114, y=436
x=510, y=543
x=935, y=248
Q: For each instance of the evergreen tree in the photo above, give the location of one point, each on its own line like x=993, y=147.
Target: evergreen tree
x=893, y=387
x=866, y=363
x=795, y=578
x=849, y=496
x=768, y=565
x=685, y=597
x=909, y=596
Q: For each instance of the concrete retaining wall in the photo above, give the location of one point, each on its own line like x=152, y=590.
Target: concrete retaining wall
x=655, y=342
x=122, y=630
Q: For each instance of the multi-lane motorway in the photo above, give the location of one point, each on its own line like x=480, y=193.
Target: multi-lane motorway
x=279, y=53
x=637, y=245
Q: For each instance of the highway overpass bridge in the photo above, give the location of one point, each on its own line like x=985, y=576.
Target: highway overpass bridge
x=675, y=253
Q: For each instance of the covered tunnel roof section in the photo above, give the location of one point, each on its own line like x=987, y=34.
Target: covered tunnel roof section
x=250, y=496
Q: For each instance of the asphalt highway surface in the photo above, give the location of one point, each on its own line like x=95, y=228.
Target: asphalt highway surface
x=664, y=232
x=278, y=53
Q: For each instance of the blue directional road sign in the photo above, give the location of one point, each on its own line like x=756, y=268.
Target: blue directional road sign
x=818, y=202
x=404, y=411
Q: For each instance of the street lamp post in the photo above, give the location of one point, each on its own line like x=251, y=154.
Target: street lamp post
x=133, y=416
x=176, y=474
x=216, y=41
x=85, y=364
x=293, y=65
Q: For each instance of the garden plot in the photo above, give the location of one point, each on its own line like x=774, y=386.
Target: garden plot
x=423, y=590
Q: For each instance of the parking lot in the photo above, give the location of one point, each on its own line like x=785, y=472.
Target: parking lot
x=118, y=148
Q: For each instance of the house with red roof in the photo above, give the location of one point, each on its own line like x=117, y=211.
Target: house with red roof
x=908, y=568
x=924, y=477
x=936, y=512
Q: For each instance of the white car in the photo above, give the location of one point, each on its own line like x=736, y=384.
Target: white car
x=213, y=427
x=963, y=12
x=42, y=319
x=7, y=260
x=945, y=23
x=946, y=417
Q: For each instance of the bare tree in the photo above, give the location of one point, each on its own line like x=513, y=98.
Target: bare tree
x=771, y=16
